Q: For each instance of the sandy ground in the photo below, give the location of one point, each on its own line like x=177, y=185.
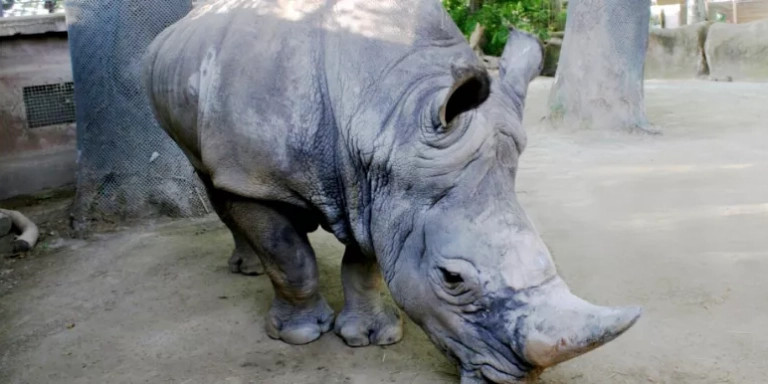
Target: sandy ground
x=676, y=223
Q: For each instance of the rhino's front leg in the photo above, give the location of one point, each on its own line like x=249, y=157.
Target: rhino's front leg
x=278, y=234
x=366, y=318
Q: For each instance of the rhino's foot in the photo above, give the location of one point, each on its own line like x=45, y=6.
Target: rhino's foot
x=359, y=327
x=299, y=324
x=245, y=262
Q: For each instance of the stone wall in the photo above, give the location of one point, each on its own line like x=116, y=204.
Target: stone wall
x=717, y=51
x=551, y=56
x=707, y=50
x=677, y=52
x=738, y=52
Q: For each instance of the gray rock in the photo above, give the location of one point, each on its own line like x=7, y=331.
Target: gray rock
x=27, y=231
x=677, y=53
x=551, y=56
x=7, y=245
x=5, y=224
x=738, y=51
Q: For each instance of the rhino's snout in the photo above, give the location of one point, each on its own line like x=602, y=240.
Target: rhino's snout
x=546, y=326
x=561, y=326
x=498, y=305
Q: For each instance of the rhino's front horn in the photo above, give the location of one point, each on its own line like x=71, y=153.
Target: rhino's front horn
x=562, y=326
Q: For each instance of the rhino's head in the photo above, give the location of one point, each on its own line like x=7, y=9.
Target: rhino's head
x=459, y=253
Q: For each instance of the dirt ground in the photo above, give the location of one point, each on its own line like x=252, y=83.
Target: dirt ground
x=677, y=223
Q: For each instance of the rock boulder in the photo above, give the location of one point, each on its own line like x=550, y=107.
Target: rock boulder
x=738, y=51
x=677, y=53
x=5, y=224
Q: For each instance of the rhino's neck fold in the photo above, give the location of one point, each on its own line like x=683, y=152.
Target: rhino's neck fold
x=377, y=83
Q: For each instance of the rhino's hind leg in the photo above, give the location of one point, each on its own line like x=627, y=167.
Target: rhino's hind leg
x=243, y=259
x=299, y=314
x=367, y=318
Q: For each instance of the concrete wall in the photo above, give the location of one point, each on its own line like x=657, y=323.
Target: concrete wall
x=717, y=51
x=738, y=52
x=33, y=52
x=745, y=11
x=677, y=53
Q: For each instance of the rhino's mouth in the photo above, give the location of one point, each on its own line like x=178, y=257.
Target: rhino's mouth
x=490, y=374
x=494, y=375
x=487, y=365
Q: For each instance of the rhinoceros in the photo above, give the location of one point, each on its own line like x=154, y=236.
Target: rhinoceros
x=375, y=121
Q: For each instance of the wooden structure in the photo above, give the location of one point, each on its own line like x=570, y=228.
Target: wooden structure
x=674, y=14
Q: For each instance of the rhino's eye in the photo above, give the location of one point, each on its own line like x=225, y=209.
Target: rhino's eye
x=453, y=287
x=451, y=278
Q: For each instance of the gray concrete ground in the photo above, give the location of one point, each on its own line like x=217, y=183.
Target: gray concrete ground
x=677, y=223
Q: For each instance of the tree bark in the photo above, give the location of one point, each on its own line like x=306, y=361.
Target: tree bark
x=599, y=80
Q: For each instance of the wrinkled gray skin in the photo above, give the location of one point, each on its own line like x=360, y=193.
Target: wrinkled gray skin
x=374, y=120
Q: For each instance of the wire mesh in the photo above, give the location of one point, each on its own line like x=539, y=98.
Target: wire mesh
x=49, y=104
x=13, y=8
x=127, y=165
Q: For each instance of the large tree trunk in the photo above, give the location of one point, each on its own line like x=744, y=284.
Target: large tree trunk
x=127, y=165
x=599, y=81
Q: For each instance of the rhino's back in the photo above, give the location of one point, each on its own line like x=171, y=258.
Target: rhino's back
x=258, y=93
x=238, y=90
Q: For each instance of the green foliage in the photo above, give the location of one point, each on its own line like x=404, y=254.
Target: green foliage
x=720, y=17
x=497, y=16
x=558, y=21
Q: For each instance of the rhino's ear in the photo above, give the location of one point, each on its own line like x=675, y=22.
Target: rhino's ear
x=471, y=87
x=520, y=63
